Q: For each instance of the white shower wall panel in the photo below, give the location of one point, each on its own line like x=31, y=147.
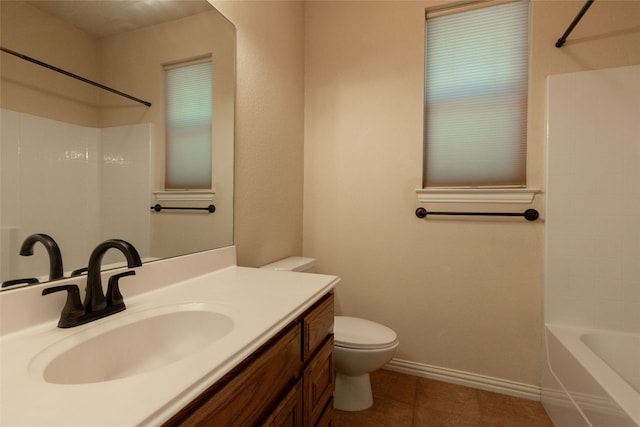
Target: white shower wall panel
x=125, y=186
x=77, y=192
x=58, y=170
x=9, y=189
x=593, y=200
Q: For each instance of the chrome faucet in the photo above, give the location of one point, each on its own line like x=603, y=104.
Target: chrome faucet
x=55, y=257
x=96, y=305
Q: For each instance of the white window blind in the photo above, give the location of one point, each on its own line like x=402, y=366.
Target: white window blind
x=476, y=96
x=189, y=108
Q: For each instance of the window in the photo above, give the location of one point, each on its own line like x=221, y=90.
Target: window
x=188, y=121
x=475, y=104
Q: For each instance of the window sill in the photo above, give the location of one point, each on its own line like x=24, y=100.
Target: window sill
x=476, y=195
x=184, y=195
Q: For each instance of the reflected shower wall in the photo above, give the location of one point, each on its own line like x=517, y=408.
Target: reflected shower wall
x=84, y=185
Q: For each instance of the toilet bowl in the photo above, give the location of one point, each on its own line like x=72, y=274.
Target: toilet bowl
x=360, y=347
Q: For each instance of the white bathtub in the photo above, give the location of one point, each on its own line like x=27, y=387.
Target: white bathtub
x=599, y=370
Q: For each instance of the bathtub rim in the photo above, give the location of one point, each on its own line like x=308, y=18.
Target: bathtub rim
x=590, y=340
x=620, y=391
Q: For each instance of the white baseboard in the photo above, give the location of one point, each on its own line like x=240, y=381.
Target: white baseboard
x=469, y=379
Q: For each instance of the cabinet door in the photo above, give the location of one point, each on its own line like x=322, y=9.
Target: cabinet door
x=326, y=419
x=289, y=411
x=318, y=383
x=317, y=325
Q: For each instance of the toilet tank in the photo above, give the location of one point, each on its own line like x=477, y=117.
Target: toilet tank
x=294, y=263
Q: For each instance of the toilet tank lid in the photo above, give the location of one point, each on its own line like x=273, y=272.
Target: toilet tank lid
x=354, y=332
x=293, y=263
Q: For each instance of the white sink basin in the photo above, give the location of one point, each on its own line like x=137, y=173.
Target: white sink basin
x=132, y=343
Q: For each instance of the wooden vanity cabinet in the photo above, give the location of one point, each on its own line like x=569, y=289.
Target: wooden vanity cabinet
x=287, y=382
x=317, y=353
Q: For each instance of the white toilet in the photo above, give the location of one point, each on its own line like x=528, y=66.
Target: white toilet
x=360, y=347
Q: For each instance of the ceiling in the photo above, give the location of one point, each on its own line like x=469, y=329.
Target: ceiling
x=102, y=18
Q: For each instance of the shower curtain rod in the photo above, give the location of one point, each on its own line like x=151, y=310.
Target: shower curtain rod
x=75, y=76
x=575, y=21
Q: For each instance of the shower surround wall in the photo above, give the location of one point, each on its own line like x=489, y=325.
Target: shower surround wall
x=592, y=228
x=592, y=282
x=95, y=181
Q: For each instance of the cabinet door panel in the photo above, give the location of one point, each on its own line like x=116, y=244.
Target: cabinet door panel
x=289, y=411
x=317, y=325
x=318, y=383
x=326, y=419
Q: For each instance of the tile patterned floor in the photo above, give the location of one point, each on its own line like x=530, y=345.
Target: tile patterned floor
x=408, y=401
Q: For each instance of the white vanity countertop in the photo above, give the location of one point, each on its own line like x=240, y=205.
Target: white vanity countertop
x=261, y=303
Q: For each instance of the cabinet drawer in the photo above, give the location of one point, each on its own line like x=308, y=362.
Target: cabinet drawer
x=317, y=325
x=318, y=383
x=245, y=394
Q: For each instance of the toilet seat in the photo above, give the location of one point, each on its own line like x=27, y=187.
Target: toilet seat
x=356, y=333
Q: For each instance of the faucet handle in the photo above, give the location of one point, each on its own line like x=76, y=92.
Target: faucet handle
x=73, y=308
x=25, y=281
x=114, y=297
x=79, y=271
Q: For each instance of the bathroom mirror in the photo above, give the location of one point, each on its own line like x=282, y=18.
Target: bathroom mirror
x=83, y=164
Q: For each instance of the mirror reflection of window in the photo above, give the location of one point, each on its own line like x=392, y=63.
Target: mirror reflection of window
x=189, y=108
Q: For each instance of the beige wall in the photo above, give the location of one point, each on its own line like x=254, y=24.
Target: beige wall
x=269, y=128
x=461, y=293
x=36, y=90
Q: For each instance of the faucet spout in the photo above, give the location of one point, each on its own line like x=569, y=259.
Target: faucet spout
x=55, y=257
x=94, y=298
